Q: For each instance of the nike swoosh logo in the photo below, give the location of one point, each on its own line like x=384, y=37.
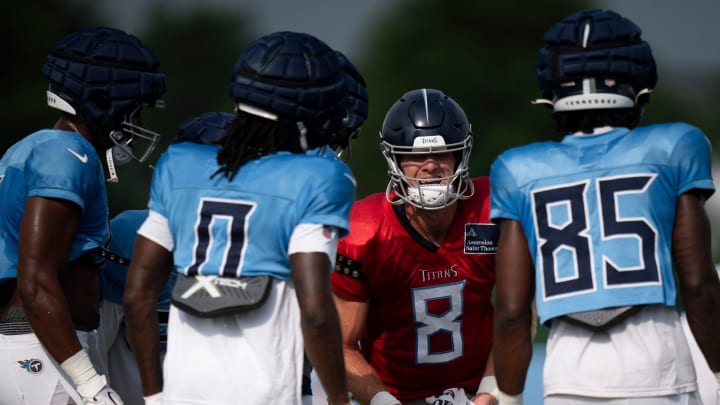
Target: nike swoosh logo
x=83, y=158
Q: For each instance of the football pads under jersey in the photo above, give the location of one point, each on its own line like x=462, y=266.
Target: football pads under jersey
x=598, y=212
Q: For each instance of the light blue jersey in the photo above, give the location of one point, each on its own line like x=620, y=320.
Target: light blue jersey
x=243, y=227
x=123, y=231
x=54, y=164
x=598, y=212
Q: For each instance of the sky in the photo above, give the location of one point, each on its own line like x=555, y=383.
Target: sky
x=340, y=23
x=684, y=39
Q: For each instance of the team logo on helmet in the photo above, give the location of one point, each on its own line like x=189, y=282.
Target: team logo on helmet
x=32, y=366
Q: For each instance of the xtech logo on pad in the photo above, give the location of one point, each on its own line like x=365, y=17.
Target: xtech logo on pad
x=32, y=366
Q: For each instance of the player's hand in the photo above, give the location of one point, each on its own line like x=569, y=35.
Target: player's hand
x=155, y=399
x=484, y=399
x=92, y=387
x=106, y=396
x=451, y=396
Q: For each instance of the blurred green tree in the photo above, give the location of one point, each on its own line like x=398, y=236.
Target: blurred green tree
x=197, y=49
x=24, y=109
x=482, y=54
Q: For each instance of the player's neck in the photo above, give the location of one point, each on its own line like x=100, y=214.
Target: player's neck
x=66, y=124
x=433, y=225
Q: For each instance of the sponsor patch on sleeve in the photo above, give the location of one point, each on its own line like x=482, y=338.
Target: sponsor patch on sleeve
x=481, y=239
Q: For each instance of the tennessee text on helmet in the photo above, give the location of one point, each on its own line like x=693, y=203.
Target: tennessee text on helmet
x=595, y=59
x=426, y=121
x=105, y=76
x=293, y=78
x=207, y=128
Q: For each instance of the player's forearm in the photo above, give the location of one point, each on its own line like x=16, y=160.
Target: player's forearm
x=699, y=285
x=325, y=354
x=144, y=333
x=364, y=383
x=703, y=311
x=512, y=351
x=49, y=315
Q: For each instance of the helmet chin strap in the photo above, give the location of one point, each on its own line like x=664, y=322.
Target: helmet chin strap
x=111, y=166
x=116, y=156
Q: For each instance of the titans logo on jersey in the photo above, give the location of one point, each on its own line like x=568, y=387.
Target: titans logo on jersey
x=33, y=366
x=243, y=227
x=601, y=221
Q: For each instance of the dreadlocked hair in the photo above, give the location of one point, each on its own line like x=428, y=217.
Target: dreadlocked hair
x=251, y=137
x=585, y=121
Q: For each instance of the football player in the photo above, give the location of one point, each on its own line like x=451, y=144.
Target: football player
x=114, y=347
x=414, y=277
x=55, y=213
x=251, y=228
x=596, y=227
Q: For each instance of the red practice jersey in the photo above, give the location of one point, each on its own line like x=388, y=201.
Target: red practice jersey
x=429, y=323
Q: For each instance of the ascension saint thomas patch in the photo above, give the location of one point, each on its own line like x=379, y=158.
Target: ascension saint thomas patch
x=481, y=239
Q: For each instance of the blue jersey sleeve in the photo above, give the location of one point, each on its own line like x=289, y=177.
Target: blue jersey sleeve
x=68, y=171
x=502, y=199
x=692, y=155
x=329, y=199
x=159, y=186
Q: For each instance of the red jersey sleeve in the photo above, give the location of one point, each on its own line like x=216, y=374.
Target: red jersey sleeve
x=350, y=279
